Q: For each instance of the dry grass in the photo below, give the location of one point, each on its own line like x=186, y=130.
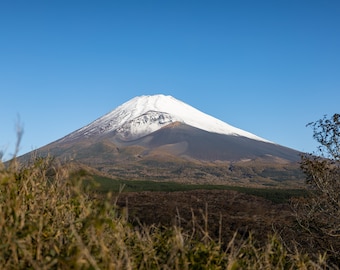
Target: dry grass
x=49, y=221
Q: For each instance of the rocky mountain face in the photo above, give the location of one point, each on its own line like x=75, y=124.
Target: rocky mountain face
x=161, y=138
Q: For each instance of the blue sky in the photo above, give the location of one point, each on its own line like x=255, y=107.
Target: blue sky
x=268, y=67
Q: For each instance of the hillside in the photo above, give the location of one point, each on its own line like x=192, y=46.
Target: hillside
x=161, y=138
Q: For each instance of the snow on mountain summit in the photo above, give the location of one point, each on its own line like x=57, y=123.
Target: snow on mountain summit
x=143, y=115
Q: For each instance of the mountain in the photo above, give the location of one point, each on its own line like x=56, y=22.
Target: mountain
x=160, y=137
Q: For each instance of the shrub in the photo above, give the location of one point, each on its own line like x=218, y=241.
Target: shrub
x=319, y=214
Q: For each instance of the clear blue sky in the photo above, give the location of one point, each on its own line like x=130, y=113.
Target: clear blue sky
x=268, y=67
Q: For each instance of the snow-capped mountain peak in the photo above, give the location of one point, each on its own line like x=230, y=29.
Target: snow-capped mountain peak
x=145, y=114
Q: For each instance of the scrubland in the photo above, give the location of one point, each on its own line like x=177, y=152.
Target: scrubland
x=50, y=220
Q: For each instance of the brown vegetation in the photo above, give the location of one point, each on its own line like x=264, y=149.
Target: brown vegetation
x=231, y=210
x=48, y=221
x=319, y=216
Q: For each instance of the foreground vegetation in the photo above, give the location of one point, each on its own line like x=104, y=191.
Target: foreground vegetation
x=319, y=216
x=48, y=220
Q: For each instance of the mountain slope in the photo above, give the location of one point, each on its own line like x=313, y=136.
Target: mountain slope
x=159, y=137
x=203, y=145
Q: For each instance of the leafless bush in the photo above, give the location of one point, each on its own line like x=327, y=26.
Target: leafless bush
x=319, y=214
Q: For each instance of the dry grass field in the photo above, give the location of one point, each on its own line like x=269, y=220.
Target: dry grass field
x=220, y=212
x=50, y=220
